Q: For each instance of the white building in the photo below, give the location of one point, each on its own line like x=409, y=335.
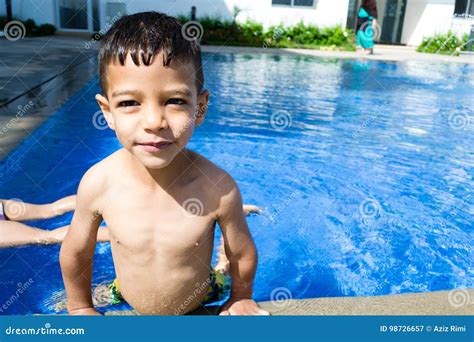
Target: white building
x=401, y=21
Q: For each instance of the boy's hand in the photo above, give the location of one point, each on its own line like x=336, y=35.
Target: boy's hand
x=85, y=312
x=242, y=307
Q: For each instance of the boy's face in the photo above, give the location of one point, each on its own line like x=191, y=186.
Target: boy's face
x=153, y=109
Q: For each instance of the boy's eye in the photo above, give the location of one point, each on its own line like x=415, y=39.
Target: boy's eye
x=129, y=103
x=176, y=101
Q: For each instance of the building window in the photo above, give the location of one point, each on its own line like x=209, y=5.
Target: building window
x=294, y=3
x=73, y=14
x=464, y=8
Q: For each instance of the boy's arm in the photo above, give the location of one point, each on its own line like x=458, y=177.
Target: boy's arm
x=77, y=250
x=240, y=250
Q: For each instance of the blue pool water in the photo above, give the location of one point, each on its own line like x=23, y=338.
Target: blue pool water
x=364, y=170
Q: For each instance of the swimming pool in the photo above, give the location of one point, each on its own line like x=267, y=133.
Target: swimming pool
x=364, y=170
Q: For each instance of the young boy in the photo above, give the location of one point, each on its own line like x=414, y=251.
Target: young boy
x=160, y=201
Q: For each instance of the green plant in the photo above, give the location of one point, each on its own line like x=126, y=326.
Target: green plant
x=465, y=41
x=3, y=21
x=32, y=30
x=446, y=44
x=30, y=26
x=45, y=30
x=251, y=33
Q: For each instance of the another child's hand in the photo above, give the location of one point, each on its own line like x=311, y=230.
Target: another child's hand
x=251, y=209
x=85, y=312
x=242, y=307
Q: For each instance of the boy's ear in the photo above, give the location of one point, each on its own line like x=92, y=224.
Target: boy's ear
x=203, y=100
x=105, y=108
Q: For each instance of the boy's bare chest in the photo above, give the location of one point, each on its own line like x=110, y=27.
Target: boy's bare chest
x=139, y=221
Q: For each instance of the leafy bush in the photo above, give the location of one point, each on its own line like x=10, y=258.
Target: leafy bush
x=446, y=44
x=251, y=33
x=45, y=30
x=32, y=30
x=3, y=21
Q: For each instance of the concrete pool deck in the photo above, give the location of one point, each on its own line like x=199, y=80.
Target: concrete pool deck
x=37, y=76
x=381, y=53
x=439, y=303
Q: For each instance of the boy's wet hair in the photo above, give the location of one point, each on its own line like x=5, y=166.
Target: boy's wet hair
x=144, y=35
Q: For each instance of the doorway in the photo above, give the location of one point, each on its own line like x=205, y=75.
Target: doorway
x=392, y=25
x=391, y=14
x=78, y=15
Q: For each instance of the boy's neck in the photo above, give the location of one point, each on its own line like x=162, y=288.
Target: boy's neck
x=166, y=176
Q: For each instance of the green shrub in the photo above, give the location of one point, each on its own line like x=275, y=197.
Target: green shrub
x=45, y=30
x=446, y=44
x=32, y=30
x=3, y=21
x=30, y=26
x=251, y=33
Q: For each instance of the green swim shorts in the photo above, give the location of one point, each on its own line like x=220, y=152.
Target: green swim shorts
x=219, y=287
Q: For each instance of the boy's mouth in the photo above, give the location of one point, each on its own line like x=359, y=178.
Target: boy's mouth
x=155, y=146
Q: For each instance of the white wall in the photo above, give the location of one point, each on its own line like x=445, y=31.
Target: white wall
x=427, y=17
x=42, y=11
x=324, y=13
x=461, y=25
x=422, y=17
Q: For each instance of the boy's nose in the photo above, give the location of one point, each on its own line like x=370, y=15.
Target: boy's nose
x=154, y=120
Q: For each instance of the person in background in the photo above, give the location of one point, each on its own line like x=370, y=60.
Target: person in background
x=366, y=26
x=14, y=233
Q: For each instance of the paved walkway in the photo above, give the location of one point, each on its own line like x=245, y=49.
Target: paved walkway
x=381, y=52
x=442, y=303
x=37, y=76
x=438, y=303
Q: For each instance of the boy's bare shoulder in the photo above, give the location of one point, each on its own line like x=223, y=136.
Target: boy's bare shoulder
x=220, y=187
x=213, y=177
x=96, y=178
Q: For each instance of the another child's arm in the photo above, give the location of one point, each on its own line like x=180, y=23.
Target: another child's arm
x=78, y=248
x=241, y=252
